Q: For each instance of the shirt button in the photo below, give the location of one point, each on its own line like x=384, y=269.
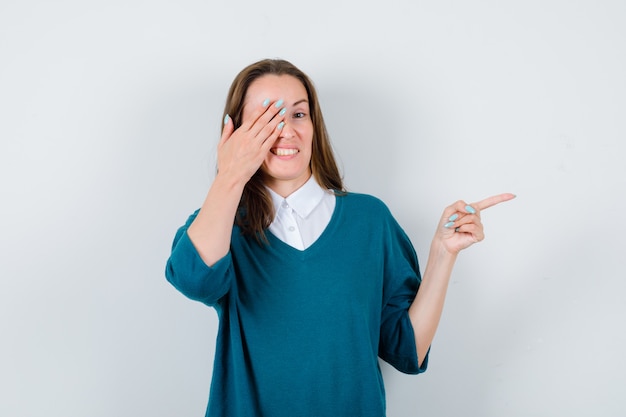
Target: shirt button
x=285, y=205
x=291, y=228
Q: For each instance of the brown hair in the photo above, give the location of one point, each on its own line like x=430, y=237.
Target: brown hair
x=256, y=211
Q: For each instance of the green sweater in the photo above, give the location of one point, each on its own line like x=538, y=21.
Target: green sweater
x=300, y=332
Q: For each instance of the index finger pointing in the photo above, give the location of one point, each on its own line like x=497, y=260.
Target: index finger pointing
x=493, y=200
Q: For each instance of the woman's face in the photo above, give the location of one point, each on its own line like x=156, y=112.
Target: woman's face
x=287, y=166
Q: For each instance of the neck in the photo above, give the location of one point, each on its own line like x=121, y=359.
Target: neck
x=287, y=187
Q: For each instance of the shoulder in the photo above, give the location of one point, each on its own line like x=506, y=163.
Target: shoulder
x=364, y=202
x=371, y=210
x=370, y=215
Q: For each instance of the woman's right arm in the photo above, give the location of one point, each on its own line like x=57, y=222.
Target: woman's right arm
x=240, y=153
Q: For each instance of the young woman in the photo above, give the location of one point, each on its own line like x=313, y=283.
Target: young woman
x=311, y=283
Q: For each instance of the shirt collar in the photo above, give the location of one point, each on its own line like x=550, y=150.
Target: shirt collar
x=303, y=200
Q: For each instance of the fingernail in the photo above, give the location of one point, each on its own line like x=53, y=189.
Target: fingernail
x=226, y=119
x=278, y=103
x=453, y=217
x=448, y=225
x=281, y=125
x=470, y=209
x=282, y=112
x=266, y=102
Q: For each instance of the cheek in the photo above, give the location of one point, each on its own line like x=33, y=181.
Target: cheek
x=306, y=134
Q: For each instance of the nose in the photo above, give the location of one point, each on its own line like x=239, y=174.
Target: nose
x=286, y=132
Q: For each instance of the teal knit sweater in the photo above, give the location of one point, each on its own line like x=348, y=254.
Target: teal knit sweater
x=300, y=332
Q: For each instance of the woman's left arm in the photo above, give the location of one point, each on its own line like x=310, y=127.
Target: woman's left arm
x=460, y=227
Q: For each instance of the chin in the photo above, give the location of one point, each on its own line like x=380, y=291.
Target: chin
x=286, y=175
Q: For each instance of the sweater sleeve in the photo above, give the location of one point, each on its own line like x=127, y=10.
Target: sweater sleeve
x=401, y=282
x=188, y=273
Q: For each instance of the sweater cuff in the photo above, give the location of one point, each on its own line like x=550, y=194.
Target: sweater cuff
x=193, y=277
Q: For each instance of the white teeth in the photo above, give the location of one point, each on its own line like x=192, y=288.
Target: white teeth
x=285, y=152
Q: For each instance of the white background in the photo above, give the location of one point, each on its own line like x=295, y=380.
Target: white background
x=109, y=116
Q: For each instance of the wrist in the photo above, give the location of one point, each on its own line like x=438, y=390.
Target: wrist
x=439, y=250
x=229, y=181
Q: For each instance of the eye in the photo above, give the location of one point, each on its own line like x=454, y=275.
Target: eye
x=299, y=115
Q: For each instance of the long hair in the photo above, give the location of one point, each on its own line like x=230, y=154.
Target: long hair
x=256, y=211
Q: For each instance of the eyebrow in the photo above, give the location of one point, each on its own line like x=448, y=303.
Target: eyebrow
x=300, y=101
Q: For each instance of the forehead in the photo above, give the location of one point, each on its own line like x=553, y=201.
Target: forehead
x=276, y=87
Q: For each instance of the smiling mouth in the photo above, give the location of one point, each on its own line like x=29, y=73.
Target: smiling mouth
x=284, y=151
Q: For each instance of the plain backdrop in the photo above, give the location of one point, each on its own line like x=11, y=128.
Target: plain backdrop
x=109, y=116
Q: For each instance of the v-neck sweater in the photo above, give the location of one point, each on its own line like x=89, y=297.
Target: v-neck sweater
x=300, y=331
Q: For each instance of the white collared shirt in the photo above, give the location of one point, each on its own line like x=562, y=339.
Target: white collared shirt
x=302, y=217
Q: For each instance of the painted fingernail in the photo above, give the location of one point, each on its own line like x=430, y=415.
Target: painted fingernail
x=448, y=225
x=470, y=209
x=280, y=125
x=226, y=119
x=453, y=217
x=266, y=102
x=279, y=103
x=282, y=112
